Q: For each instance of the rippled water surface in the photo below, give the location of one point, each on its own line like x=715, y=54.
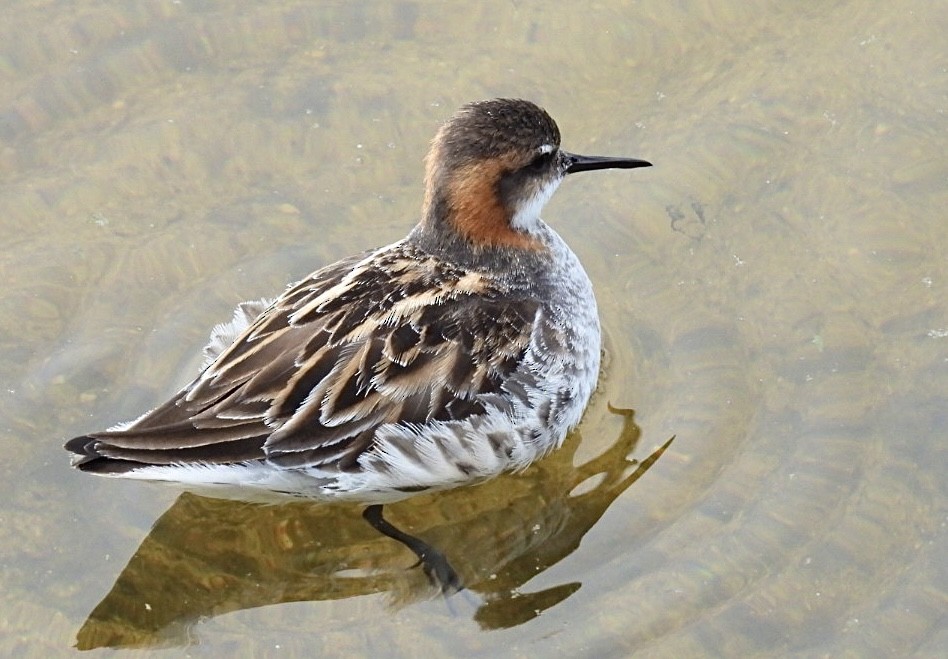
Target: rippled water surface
x=774, y=295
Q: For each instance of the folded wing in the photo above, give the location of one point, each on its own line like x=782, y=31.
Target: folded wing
x=391, y=338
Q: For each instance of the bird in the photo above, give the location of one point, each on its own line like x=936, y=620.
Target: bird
x=466, y=349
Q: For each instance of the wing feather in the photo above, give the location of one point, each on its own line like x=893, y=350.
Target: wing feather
x=395, y=337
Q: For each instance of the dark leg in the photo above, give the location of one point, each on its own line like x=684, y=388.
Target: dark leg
x=433, y=562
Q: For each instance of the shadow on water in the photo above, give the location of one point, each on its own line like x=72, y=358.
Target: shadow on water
x=206, y=557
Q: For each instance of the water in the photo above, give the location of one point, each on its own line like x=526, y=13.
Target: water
x=773, y=295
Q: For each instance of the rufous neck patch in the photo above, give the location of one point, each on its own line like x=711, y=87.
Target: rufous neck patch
x=476, y=211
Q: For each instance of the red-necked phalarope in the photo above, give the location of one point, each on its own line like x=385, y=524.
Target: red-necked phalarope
x=466, y=349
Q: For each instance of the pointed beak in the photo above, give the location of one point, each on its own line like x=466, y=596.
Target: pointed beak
x=576, y=163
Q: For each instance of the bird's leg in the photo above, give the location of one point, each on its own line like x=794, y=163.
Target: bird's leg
x=433, y=562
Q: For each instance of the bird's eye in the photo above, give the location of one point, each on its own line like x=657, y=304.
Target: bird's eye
x=540, y=163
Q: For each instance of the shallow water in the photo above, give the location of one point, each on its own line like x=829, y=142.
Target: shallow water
x=773, y=295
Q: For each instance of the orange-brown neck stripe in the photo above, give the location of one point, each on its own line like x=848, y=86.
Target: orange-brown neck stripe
x=476, y=211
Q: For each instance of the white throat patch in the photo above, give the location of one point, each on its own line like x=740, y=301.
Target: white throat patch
x=528, y=214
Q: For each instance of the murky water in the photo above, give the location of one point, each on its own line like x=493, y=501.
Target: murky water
x=774, y=294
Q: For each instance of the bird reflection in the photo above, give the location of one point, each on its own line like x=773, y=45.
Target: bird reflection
x=205, y=557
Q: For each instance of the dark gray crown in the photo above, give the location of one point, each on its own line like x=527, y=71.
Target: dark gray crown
x=487, y=129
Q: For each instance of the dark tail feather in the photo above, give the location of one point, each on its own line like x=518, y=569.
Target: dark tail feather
x=82, y=449
x=94, y=454
x=86, y=458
